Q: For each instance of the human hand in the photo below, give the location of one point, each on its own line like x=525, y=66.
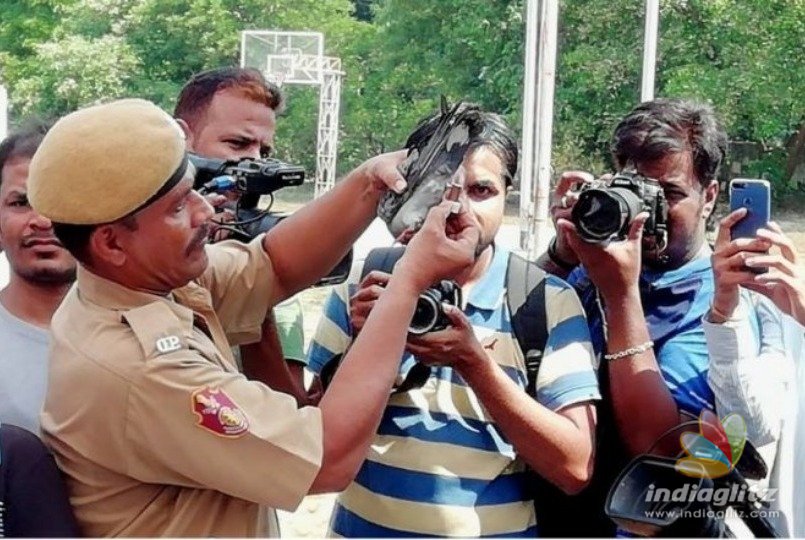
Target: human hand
x=382, y=173
x=362, y=302
x=614, y=267
x=729, y=266
x=455, y=346
x=222, y=215
x=563, y=198
x=442, y=248
x=784, y=283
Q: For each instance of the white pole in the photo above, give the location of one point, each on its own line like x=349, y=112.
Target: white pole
x=529, y=111
x=3, y=112
x=650, y=49
x=547, y=78
x=243, y=49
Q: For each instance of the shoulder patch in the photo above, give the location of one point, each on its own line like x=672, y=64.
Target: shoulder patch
x=158, y=329
x=217, y=413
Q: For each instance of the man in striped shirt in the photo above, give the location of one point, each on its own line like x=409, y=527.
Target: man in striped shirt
x=449, y=457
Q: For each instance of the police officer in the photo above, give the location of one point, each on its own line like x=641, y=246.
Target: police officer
x=157, y=432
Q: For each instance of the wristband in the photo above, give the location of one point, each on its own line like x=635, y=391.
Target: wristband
x=555, y=259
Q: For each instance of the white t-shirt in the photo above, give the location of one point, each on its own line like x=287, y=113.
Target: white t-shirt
x=3, y=270
x=23, y=371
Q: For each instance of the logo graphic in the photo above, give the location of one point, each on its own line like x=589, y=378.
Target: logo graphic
x=218, y=413
x=714, y=451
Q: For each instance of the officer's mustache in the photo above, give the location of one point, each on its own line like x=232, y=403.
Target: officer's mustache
x=199, y=239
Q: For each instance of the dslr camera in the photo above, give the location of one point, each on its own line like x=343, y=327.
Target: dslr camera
x=253, y=178
x=606, y=209
x=429, y=314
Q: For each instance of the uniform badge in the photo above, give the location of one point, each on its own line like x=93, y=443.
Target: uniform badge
x=168, y=344
x=218, y=413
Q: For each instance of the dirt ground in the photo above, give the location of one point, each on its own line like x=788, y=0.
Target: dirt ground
x=312, y=517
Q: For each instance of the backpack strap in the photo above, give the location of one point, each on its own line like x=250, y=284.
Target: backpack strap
x=525, y=295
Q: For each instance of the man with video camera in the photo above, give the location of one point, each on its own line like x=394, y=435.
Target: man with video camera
x=450, y=455
x=157, y=432
x=634, y=248
x=229, y=114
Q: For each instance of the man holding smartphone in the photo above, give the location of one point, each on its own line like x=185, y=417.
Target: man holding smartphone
x=766, y=387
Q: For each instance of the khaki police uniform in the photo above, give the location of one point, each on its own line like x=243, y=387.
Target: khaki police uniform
x=156, y=430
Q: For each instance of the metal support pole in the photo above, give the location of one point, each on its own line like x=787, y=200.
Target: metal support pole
x=650, y=49
x=548, y=34
x=529, y=111
x=327, y=142
x=3, y=112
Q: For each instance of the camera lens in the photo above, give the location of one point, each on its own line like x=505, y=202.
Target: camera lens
x=425, y=315
x=601, y=214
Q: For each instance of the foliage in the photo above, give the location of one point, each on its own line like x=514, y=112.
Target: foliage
x=399, y=56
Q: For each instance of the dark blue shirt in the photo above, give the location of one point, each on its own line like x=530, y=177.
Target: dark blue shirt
x=674, y=302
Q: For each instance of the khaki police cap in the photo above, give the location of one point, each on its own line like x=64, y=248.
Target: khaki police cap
x=102, y=163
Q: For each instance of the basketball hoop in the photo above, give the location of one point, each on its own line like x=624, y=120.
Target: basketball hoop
x=298, y=58
x=276, y=78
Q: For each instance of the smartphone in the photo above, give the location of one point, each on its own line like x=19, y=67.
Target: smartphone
x=755, y=196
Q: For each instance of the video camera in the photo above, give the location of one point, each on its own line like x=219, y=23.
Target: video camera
x=606, y=209
x=253, y=178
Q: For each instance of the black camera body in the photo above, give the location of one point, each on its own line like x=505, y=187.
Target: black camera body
x=606, y=209
x=250, y=176
x=253, y=178
x=429, y=314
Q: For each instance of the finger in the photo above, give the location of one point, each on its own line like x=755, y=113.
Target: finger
x=375, y=277
x=725, y=226
x=437, y=216
x=415, y=346
x=569, y=180
x=736, y=277
x=571, y=236
x=750, y=245
x=771, y=261
x=775, y=276
x=456, y=185
x=367, y=294
x=461, y=219
x=636, y=227
x=456, y=317
x=215, y=199
x=405, y=236
x=779, y=239
x=733, y=263
x=385, y=169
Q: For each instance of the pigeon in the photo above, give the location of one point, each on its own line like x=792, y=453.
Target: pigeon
x=428, y=170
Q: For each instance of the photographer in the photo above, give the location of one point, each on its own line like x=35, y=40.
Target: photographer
x=448, y=457
x=156, y=431
x=767, y=388
x=230, y=113
x=644, y=303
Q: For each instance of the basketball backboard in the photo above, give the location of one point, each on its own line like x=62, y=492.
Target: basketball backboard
x=284, y=57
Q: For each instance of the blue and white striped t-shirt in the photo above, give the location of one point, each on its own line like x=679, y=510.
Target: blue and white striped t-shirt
x=439, y=466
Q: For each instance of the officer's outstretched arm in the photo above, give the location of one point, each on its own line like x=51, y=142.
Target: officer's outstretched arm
x=353, y=405
x=309, y=243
